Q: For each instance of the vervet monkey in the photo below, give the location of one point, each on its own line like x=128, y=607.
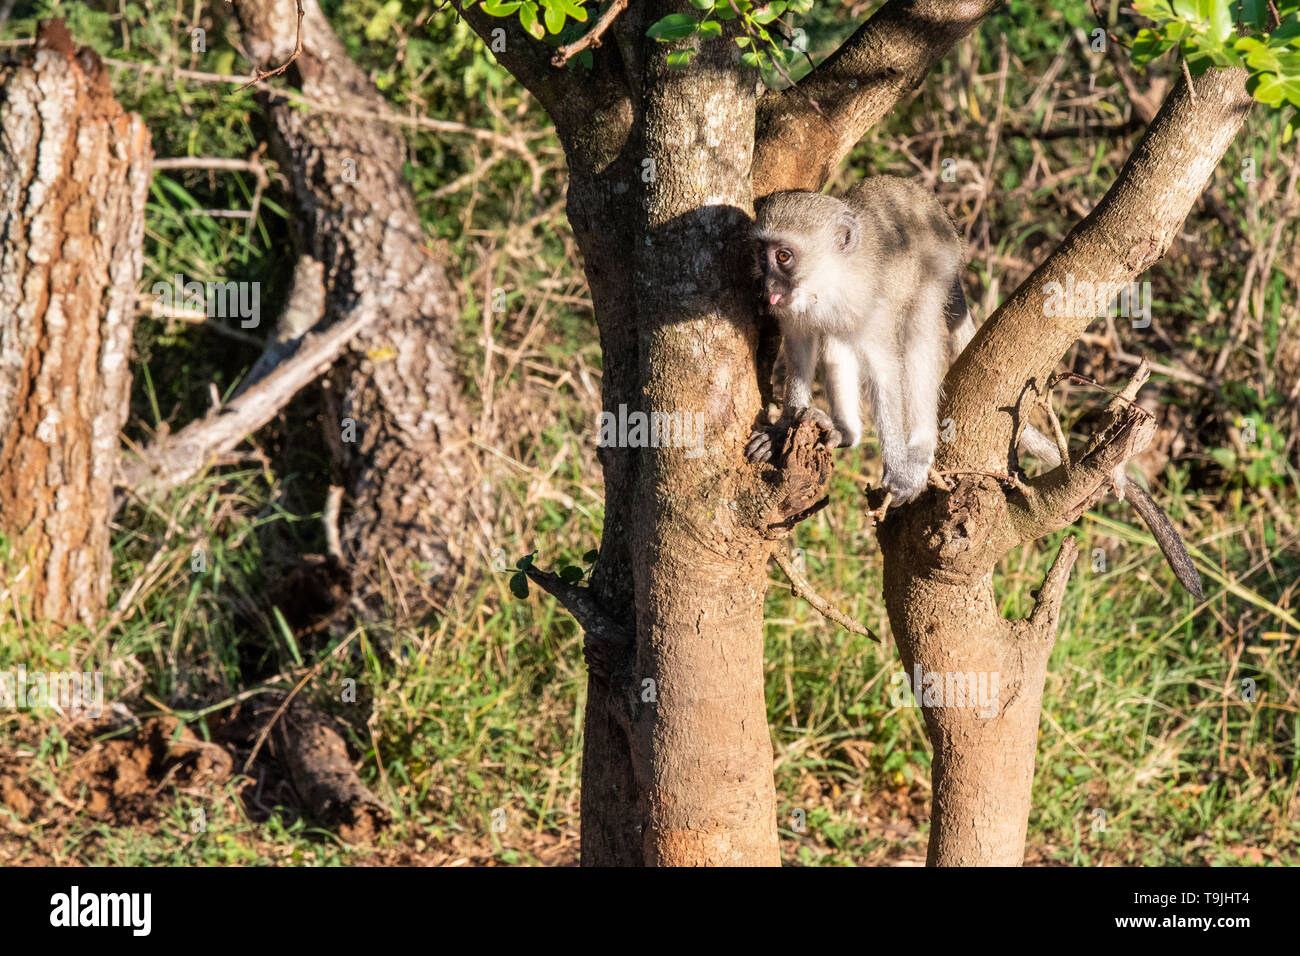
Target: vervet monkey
x=870, y=286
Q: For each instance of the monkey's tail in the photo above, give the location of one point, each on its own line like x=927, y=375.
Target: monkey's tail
x=1166, y=535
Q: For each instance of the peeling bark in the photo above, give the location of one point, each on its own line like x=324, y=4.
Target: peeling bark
x=74, y=175
x=409, y=475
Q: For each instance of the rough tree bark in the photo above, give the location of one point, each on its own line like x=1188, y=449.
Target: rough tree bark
x=658, y=164
x=408, y=475
x=74, y=175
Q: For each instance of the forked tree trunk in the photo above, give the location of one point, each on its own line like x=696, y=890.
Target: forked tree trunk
x=677, y=760
x=74, y=175
x=941, y=551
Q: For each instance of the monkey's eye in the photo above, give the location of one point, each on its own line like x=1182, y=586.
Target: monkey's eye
x=783, y=256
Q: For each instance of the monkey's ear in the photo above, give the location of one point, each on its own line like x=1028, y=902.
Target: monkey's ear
x=848, y=232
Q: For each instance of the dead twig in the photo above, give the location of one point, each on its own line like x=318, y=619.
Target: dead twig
x=592, y=39
x=799, y=584
x=297, y=52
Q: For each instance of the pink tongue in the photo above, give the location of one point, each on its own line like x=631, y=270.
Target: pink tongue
x=774, y=298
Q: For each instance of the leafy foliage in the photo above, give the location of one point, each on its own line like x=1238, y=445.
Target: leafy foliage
x=767, y=41
x=1203, y=31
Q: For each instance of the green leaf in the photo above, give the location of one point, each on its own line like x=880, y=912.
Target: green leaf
x=1220, y=20
x=1287, y=31
x=742, y=42
x=1254, y=13
x=526, y=562
x=800, y=6
x=1269, y=90
x=679, y=59
x=519, y=584
x=528, y=20
x=591, y=556
x=573, y=10
x=1148, y=45
x=710, y=28
x=554, y=16
x=703, y=4
x=675, y=26
x=571, y=574
x=1154, y=9
x=750, y=57
x=501, y=8
x=769, y=13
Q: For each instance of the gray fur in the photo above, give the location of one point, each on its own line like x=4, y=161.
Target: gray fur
x=869, y=295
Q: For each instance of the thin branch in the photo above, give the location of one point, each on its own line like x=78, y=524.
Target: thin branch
x=608, y=645
x=592, y=39
x=805, y=590
x=1047, y=609
x=581, y=603
x=797, y=146
x=297, y=52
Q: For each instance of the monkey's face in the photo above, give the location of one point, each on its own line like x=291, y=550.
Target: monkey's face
x=778, y=265
x=803, y=244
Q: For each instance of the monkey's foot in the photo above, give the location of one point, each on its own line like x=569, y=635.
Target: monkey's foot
x=831, y=437
x=906, y=482
x=763, y=440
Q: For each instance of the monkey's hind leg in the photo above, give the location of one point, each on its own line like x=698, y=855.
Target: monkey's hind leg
x=924, y=362
x=844, y=390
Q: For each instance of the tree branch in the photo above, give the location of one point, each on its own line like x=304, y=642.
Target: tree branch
x=1056, y=499
x=607, y=642
x=1128, y=231
x=1047, y=609
x=861, y=82
x=570, y=99
x=592, y=38
x=799, y=584
x=169, y=461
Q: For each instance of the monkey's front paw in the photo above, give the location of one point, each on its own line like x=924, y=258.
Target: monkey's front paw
x=907, y=481
x=832, y=437
x=762, y=441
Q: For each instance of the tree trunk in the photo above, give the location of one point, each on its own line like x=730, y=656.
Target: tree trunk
x=74, y=175
x=405, y=459
x=677, y=766
x=940, y=552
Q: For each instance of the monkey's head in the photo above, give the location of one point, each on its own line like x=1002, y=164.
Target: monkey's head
x=802, y=243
